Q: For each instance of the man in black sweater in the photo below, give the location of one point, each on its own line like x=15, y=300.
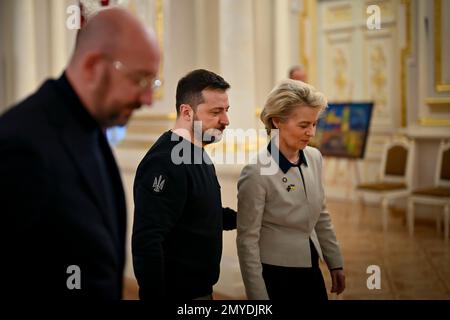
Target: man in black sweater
x=179, y=219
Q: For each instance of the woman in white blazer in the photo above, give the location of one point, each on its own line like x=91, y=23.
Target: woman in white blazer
x=283, y=225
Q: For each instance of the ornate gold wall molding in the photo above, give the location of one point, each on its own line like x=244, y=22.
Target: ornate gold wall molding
x=340, y=78
x=438, y=102
x=302, y=41
x=434, y=122
x=159, y=30
x=378, y=76
x=339, y=14
x=405, y=53
x=309, y=13
x=440, y=86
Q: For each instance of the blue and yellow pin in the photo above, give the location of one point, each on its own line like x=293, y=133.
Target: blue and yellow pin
x=290, y=187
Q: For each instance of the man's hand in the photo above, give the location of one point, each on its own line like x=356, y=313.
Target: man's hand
x=338, y=281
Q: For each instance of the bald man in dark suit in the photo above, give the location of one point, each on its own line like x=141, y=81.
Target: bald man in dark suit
x=62, y=202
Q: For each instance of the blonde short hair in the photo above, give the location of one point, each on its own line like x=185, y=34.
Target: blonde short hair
x=288, y=95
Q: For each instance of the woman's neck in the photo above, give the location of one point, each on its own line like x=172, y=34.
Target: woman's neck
x=292, y=155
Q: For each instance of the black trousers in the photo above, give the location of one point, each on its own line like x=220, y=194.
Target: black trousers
x=292, y=283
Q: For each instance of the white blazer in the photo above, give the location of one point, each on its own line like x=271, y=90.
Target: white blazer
x=277, y=216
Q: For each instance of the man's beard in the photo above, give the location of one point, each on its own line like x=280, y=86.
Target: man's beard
x=212, y=135
x=207, y=136
x=110, y=115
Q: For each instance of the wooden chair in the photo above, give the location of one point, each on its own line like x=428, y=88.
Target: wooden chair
x=395, y=176
x=437, y=195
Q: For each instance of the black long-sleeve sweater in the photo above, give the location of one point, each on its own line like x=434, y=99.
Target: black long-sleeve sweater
x=178, y=221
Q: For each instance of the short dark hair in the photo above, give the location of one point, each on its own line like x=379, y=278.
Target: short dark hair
x=190, y=87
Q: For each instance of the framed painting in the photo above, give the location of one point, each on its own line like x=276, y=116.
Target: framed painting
x=342, y=130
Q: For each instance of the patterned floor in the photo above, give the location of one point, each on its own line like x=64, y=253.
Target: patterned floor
x=410, y=268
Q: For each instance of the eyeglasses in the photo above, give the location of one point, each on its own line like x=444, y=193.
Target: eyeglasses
x=144, y=82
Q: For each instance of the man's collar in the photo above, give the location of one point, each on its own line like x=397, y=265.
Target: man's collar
x=284, y=163
x=77, y=107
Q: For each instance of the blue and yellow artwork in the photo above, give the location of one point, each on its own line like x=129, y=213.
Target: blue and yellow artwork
x=342, y=130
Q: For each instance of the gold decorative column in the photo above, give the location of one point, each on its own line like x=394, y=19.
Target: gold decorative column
x=405, y=53
x=438, y=81
x=308, y=24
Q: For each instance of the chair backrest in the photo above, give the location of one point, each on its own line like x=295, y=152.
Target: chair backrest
x=397, y=162
x=442, y=177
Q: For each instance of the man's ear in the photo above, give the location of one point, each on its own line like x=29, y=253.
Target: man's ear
x=92, y=66
x=186, y=112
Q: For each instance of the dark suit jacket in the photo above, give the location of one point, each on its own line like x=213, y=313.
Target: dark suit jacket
x=52, y=205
